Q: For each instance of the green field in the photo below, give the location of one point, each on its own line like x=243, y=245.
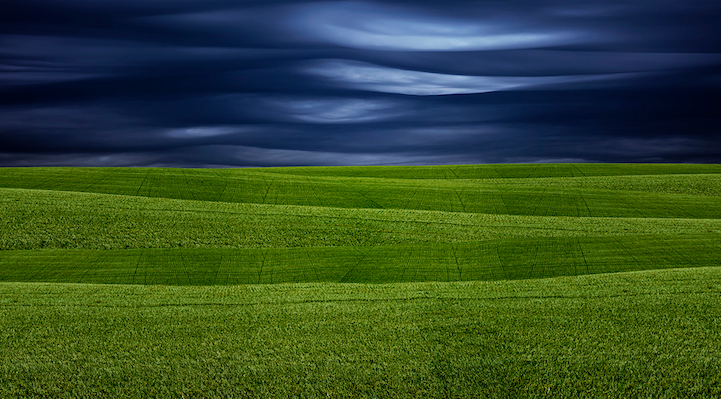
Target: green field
x=440, y=281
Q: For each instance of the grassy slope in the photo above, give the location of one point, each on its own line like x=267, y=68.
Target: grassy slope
x=681, y=194
x=353, y=224
x=641, y=334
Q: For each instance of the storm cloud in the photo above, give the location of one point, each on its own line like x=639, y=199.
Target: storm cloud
x=280, y=82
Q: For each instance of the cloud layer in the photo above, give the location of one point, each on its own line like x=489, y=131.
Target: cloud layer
x=280, y=82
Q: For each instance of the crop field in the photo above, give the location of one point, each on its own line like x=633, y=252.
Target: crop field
x=545, y=280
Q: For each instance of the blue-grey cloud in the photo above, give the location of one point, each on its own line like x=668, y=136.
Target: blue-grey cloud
x=381, y=27
x=283, y=82
x=363, y=76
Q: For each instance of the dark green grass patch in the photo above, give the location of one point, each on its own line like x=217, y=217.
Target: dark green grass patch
x=645, y=334
x=697, y=184
x=500, y=171
x=517, y=258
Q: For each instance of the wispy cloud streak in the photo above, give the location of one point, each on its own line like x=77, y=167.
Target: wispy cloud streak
x=378, y=27
x=363, y=76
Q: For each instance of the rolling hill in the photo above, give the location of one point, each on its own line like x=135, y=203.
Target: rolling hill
x=354, y=224
x=549, y=280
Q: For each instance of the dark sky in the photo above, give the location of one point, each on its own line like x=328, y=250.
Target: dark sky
x=280, y=82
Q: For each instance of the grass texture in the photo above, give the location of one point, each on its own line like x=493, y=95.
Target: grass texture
x=638, y=334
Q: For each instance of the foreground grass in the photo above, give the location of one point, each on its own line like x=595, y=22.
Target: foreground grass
x=641, y=334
